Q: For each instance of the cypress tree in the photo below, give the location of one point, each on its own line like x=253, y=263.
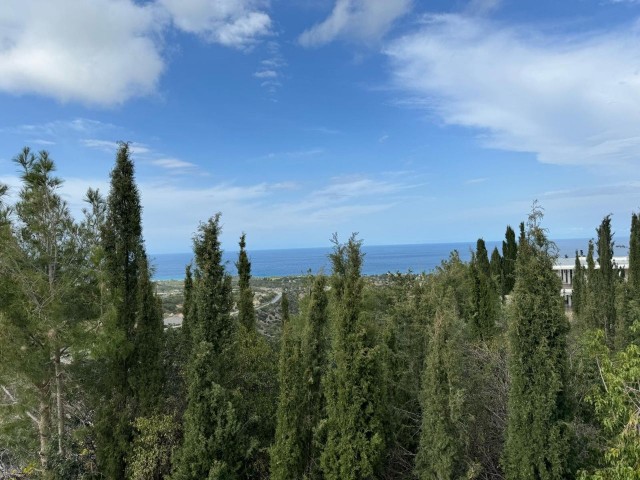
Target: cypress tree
x=246, y=311
x=497, y=271
x=577, y=295
x=211, y=425
x=354, y=425
x=187, y=312
x=509, y=255
x=587, y=311
x=314, y=358
x=286, y=452
x=133, y=329
x=634, y=256
x=441, y=453
x=485, y=295
x=605, y=292
x=537, y=443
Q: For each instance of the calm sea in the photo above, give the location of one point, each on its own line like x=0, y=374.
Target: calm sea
x=378, y=259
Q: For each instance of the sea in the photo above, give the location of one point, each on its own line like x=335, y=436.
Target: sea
x=378, y=259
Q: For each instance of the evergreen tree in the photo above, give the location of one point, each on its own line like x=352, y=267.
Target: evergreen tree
x=246, y=312
x=634, y=256
x=509, y=255
x=587, y=316
x=444, y=411
x=314, y=360
x=605, y=291
x=354, y=425
x=211, y=424
x=497, y=271
x=537, y=443
x=485, y=295
x=42, y=309
x=133, y=329
x=287, y=452
x=577, y=295
x=187, y=312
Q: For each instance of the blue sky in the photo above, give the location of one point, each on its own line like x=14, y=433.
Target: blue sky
x=406, y=121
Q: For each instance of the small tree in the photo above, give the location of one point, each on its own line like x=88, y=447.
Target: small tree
x=246, y=311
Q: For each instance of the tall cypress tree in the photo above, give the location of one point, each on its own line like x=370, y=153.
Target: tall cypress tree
x=133, y=329
x=286, y=452
x=509, y=255
x=634, y=256
x=314, y=358
x=497, y=271
x=441, y=453
x=246, y=311
x=354, y=425
x=485, y=295
x=211, y=424
x=605, y=292
x=537, y=443
x=577, y=295
x=587, y=316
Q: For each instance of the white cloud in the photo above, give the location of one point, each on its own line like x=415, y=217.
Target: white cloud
x=233, y=23
x=362, y=20
x=266, y=74
x=104, y=52
x=173, y=164
x=100, y=52
x=568, y=99
x=110, y=146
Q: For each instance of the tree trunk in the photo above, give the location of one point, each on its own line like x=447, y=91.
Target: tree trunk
x=44, y=424
x=59, y=400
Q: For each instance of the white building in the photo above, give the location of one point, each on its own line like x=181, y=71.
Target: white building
x=565, y=266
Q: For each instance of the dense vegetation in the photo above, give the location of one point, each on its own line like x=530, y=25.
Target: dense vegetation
x=474, y=370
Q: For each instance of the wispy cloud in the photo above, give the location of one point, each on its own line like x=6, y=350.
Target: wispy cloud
x=271, y=69
x=360, y=20
x=474, y=181
x=174, y=164
x=110, y=146
x=292, y=154
x=569, y=99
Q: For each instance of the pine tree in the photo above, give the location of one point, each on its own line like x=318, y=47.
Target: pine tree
x=354, y=425
x=42, y=301
x=187, y=312
x=246, y=312
x=445, y=419
x=133, y=329
x=537, y=443
x=509, y=255
x=211, y=424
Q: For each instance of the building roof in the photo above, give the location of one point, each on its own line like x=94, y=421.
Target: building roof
x=569, y=263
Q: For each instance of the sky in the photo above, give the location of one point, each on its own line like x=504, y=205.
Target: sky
x=407, y=121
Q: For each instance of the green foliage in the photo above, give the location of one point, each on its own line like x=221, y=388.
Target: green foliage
x=579, y=283
x=211, y=422
x=509, y=255
x=354, y=426
x=444, y=411
x=605, y=285
x=485, y=296
x=497, y=271
x=133, y=329
x=616, y=404
x=155, y=440
x=537, y=442
x=246, y=312
x=634, y=255
x=43, y=313
x=287, y=451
